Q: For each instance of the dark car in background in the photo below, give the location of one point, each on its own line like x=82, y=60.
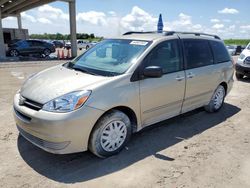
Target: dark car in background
x=27, y=47
x=58, y=44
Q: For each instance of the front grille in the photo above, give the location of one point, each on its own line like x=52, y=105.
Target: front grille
x=32, y=104
x=43, y=143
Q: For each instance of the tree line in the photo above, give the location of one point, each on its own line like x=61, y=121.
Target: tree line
x=59, y=36
x=237, y=41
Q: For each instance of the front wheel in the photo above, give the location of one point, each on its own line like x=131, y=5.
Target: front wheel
x=110, y=134
x=46, y=52
x=217, y=100
x=13, y=53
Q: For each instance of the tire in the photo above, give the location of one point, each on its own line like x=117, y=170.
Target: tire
x=110, y=134
x=87, y=47
x=217, y=100
x=14, y=53
x=239, y=76
x=46, y=52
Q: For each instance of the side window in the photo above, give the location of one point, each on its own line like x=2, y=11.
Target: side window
x=23, y=44
x=36, y=43
x=167, y=56
x=198, y=53
x=220, y=52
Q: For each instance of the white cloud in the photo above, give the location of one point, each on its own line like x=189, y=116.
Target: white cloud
x=138, y=19
x=228, y=11
x=48, y=8
x=184, y=20
x=112, y=13
x=10, y=19
x=50, y=12
x=232, y=27
x=93, y=17
x=197, y=27
x=218, y=26
x=28, y=17
x=247, y=27
x=44, y=21
x=214, y=20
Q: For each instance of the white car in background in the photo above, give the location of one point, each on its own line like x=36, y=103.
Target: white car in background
x=81, y=44
x=242, y=67
x=231, y=50
x=67, y=45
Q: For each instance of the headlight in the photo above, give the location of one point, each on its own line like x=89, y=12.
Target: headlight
x=242, y=56
x=68, y=102
x=247, y=60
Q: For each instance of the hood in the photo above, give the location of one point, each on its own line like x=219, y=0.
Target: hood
x=57, y=81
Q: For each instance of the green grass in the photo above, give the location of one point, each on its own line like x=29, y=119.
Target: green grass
x=237, y=41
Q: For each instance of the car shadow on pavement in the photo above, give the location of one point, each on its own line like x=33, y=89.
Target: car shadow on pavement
x=85, y=166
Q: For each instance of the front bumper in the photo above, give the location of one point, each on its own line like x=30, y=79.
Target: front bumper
x=58, y=133
x=242, y=69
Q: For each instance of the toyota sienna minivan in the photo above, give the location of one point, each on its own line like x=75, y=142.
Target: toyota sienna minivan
x=121, y=85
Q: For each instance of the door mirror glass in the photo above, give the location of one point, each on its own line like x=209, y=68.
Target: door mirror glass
x=153, y=72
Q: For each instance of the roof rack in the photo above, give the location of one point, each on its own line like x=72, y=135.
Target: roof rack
x=192, y=33
x=139, y=32
x=168, y=33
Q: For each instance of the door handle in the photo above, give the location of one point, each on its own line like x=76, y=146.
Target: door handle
x=190, y=75
x=179, y=78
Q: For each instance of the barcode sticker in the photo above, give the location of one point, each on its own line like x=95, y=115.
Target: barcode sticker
x=141, y=43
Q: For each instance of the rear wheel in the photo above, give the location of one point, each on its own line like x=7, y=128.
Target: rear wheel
x=87, y=47
x=110, y=134
x=239, y=76
x=46, y=52
x=217, y=100
x=14, y=53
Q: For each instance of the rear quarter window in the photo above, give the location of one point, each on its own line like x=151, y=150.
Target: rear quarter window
x=220, y=52
x=198, y=53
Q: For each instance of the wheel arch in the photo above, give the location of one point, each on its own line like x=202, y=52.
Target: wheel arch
x=126, y=110
x=224, y=84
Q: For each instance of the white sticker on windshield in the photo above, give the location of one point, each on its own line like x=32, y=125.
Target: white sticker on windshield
x=141, y=43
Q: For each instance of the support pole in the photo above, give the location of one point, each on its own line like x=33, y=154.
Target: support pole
x=19, y=21
x=2, y=46
x=72, y=18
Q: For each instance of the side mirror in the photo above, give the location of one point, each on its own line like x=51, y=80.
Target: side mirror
x=153, y=72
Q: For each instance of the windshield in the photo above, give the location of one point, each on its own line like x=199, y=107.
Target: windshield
x=110, y=57
x=248, y=46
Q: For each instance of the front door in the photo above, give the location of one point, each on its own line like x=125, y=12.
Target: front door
x=162, y=98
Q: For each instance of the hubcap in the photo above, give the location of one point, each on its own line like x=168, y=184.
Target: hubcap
x=46, y=52
x=218, y=98
x=113, y=135
x=13, y=53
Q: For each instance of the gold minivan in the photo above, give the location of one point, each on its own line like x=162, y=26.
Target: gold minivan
x=119, y=86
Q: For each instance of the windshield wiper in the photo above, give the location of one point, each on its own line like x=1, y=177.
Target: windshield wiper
x=83, y=70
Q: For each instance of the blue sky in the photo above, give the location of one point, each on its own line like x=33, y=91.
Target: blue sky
x=227, y=18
